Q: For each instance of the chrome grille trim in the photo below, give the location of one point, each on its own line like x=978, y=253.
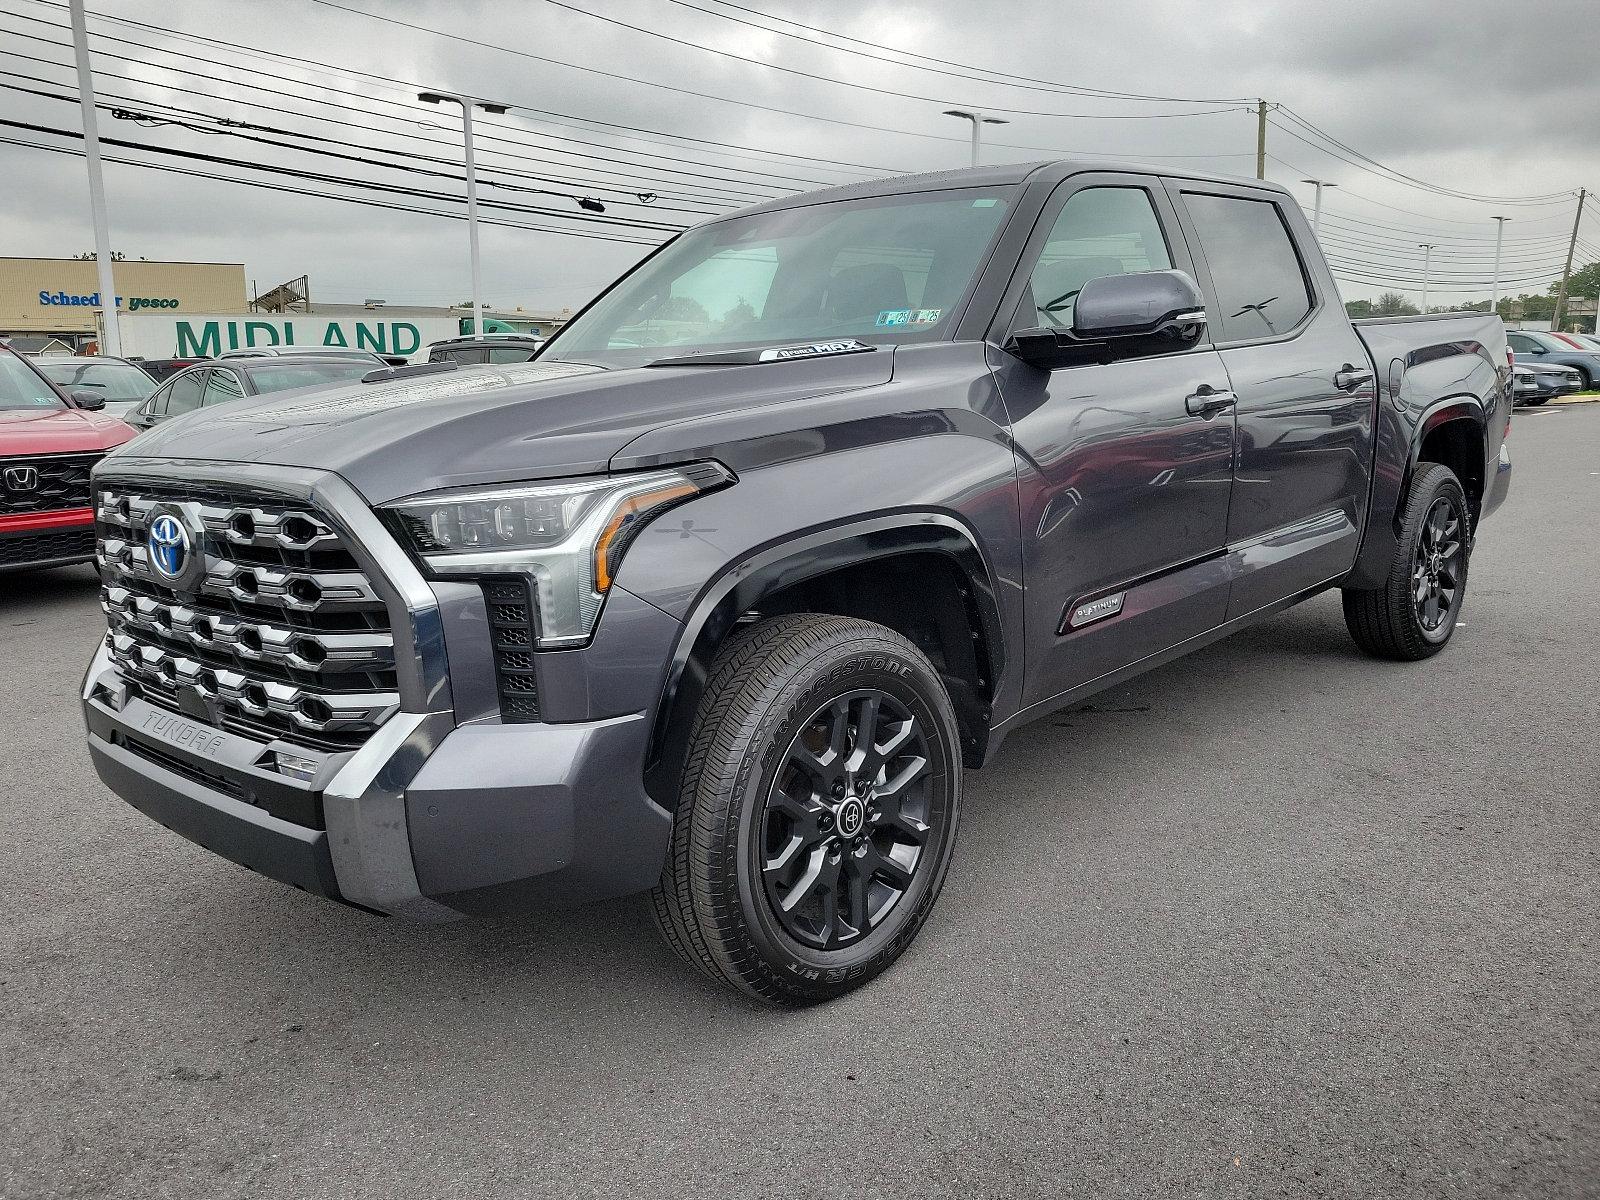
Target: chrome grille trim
x=283, y=635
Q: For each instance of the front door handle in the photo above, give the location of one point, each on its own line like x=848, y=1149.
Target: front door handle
x=1348, y=378
x=1207, y=401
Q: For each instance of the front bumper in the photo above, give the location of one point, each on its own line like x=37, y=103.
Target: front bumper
x=426, y=821
x=32, y=541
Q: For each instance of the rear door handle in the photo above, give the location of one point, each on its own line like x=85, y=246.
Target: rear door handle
x=1207, y=401
x=1348, y=378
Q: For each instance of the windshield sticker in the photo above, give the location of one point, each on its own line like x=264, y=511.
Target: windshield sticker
x=814, y=350
x=908, y=316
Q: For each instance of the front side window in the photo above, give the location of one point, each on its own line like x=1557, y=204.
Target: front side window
x=1260, y=287
x=185, y=393
x=23, y=387
x=886, y=269
x=509, y=354
x=1101, y=231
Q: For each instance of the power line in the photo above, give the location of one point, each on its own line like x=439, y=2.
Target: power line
x=721, y=179
x=263, y=185
x=1005, y=78
x=860, y=87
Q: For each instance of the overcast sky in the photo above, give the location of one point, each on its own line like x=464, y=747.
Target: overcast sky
x=1469, y=95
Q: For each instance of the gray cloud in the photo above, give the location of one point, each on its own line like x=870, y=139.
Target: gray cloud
x=1461, y=93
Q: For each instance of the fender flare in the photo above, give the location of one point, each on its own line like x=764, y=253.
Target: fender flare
x=781, y=564
x=1464, y=407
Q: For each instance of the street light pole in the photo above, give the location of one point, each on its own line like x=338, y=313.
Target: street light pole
x=111, y=342
x=1316, y=207
x=468, y=103
x=978, y=120
x=1427, y=263
x=1499, y=239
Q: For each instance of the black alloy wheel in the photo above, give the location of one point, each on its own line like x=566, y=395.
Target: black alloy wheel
x=1436, y=569
x=847, y=820
x=1413, y=613
x=817, y=812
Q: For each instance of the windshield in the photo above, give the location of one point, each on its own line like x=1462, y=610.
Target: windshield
x=114, y=381
x=280, y=377
x=884, y=269
x=21, y=387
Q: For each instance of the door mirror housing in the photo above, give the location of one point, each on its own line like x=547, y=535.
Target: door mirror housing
x=1120, y=316
x=92, y=401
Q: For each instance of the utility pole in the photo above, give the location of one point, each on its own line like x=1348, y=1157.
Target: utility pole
x=1427, y=265
x=1566, y=272
x=1499, y=238
x=111, y=343
x=978, y=120
x=468, y=103
x=1316, y=210
x=1261, y=139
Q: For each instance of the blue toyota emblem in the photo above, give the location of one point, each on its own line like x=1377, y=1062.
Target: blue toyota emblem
x=168, y=546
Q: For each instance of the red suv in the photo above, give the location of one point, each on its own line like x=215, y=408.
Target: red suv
x=49, y=440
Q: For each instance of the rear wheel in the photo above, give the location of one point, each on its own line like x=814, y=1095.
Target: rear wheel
x=1414, y=613
x=817, y=812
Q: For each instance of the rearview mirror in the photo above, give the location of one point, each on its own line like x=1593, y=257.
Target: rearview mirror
x=89, y=400
x=1120, y=316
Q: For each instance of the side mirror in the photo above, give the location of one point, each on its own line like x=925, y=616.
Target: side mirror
x=1120, y=316
x=89, y=400
x=1138, y=305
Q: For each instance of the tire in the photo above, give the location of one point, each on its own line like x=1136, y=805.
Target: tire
x=1414, y=613
x=783, y=813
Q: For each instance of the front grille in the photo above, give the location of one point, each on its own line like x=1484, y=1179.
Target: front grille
x=280, y=636
x=24, y=549
x=511, y=631
x=53, y=481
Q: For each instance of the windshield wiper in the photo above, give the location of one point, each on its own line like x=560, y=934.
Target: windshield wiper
x=763, y=354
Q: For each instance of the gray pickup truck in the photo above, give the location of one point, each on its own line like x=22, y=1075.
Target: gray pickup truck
x=718, y=597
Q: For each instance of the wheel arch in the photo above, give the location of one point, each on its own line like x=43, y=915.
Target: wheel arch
x=846, y=570
x=1454, y=433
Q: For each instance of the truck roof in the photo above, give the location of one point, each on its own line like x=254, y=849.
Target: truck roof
x=1044, y=170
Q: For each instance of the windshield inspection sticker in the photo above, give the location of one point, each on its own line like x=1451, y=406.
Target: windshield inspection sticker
x=908, y=316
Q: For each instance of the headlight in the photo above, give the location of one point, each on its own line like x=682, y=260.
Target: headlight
x=566, y=537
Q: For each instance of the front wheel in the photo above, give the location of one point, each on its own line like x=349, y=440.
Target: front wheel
x=1414, y=613
x=817, y=812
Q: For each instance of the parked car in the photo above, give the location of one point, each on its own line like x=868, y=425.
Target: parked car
x=1531, y=346
x=491, y=348
x=221, y=381
x=162, y=369
x=121, y=384
x=1536, y=383
x=49, y=440
x=724, y=620
x=1581, y=341
x=368, y=356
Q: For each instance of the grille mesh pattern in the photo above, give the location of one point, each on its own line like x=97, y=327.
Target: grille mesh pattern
x=58, y=481
x=281, y=635
x=511, y=628
x=20, y=549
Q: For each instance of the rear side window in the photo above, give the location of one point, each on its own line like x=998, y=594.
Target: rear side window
x=185, y=393
x=222, y=387
x=1260, y=287
x=465, y=357
x=509, y=354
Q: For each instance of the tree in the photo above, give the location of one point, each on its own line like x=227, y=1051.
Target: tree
x=1585, y=281
x=1393, y=304
x=1359, y=308
x=740, y=314
x=682, y=308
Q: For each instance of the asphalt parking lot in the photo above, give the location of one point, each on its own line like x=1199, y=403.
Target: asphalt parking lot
x=1274, y=920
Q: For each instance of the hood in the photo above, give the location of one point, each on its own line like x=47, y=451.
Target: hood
x=59, y=431
x=490, y=424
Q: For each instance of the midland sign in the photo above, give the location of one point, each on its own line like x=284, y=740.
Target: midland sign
x=150, y=335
